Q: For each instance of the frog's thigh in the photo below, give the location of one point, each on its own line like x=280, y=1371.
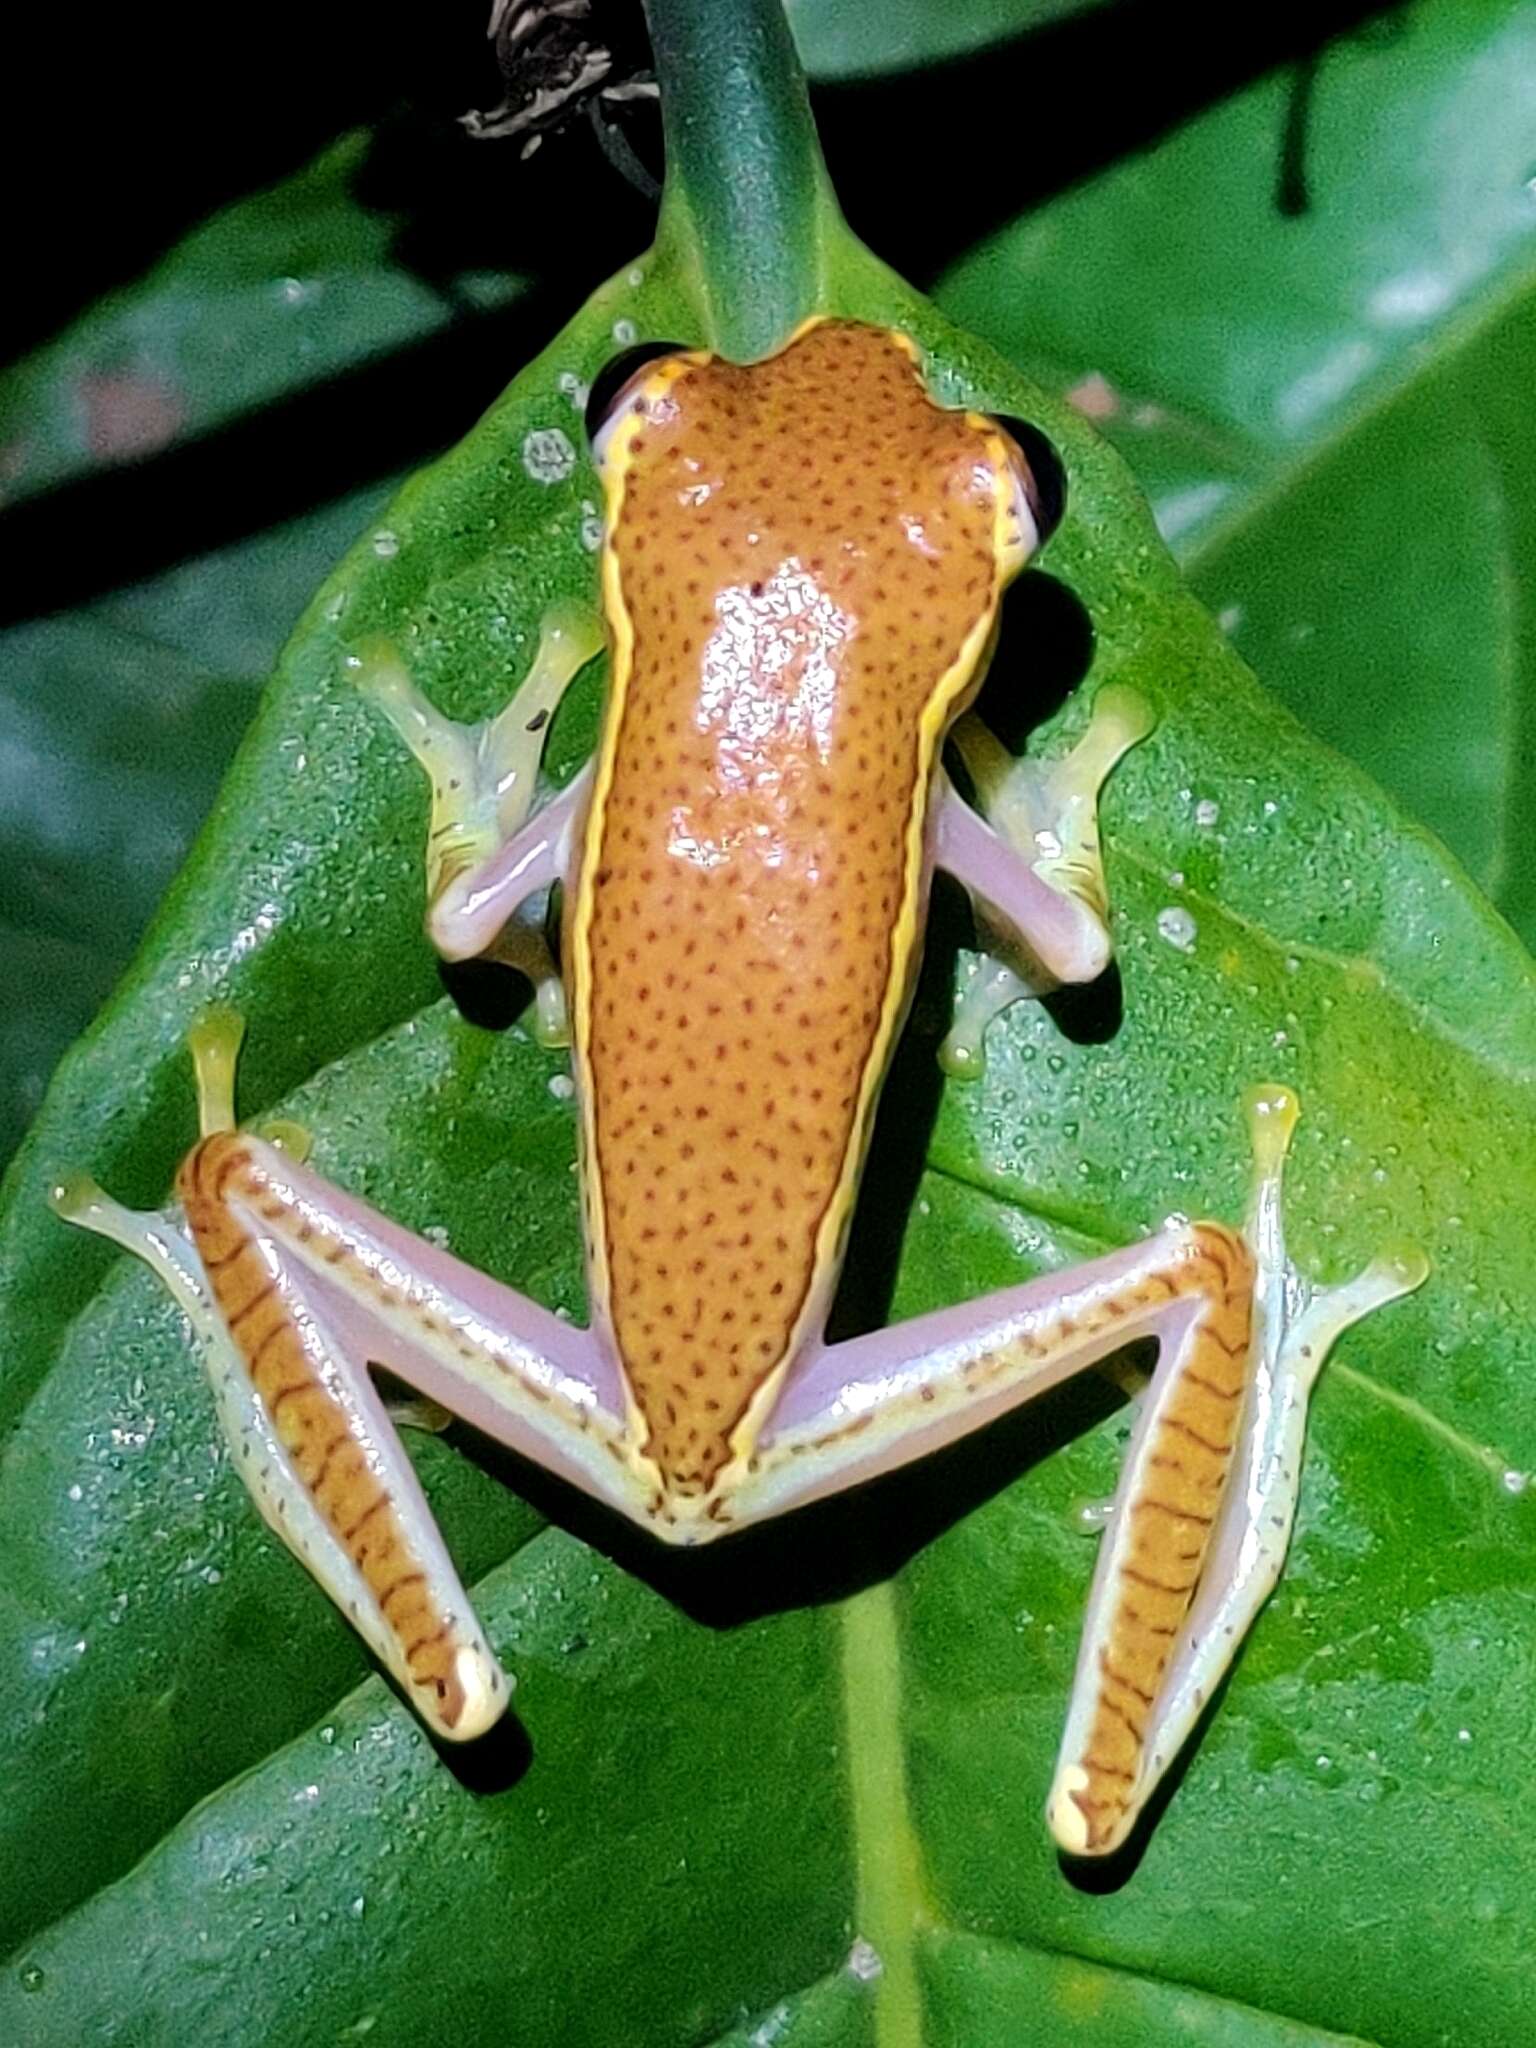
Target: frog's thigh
x=351, y=1289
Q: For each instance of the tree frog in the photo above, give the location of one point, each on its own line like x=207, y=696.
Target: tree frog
x=802, y=565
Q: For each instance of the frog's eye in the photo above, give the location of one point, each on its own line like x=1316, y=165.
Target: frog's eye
x=611, y=386
x=1041, y=479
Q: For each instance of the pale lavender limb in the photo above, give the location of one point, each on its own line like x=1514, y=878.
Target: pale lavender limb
x=470, y=913
x=1050, y=936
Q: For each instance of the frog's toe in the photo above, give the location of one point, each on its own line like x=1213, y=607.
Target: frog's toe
x=296, y=1140
x=213, y=1040
x=148, y=1233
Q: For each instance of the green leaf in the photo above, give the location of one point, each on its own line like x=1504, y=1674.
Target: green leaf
x=122, y=716
x=840, y=39
x=1329, y=411
x=269, y=296
x=754, y=1803
x=120, y=720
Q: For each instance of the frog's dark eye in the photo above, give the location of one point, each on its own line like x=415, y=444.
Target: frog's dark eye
x=616, y=376
x=1041, y=476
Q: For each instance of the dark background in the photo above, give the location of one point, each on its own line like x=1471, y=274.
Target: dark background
x=126, y=129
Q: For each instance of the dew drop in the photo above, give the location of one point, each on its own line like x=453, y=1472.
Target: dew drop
x=864, y=1962
x=1177, y=926
x=549, y=455
x=1090, y=1517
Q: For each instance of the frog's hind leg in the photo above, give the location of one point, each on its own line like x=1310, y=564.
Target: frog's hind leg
x=1031, y=863
x=1207, y=1495
x=293, y=1290
x=486, y=854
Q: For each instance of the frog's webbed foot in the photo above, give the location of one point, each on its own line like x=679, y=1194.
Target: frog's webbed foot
x=1207, y=1494
x=293, y=1290
x=1032, y=865
x=486, y=856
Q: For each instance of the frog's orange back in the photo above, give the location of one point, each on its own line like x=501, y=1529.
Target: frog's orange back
x=803, y=565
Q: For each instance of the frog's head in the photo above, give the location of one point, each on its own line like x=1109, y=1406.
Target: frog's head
x=633, y=387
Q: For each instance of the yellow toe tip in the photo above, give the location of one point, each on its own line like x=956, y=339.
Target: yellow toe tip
x=219, y=1028
x=288, y=1137
x=1406, y=1264
x=962, y=1059
x=1272, y=1110
x=73, y=1195
x=373, y=664
x=573, y=628
x=1131, y=716
x=213, y=1040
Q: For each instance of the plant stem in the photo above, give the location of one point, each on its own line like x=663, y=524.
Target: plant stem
x=747, y=204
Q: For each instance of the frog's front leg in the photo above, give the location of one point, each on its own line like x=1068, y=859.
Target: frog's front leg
x=293, y=1290
x=486, y=856
x=1031, y=864
x=1206, y=1500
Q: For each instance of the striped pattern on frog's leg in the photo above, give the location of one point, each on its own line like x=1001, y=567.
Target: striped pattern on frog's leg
x=1123, y=1733
x=317, y=1454
x=875, y=1403
x=294, y=1289
x=382, y=1561
x=1190, y=1553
